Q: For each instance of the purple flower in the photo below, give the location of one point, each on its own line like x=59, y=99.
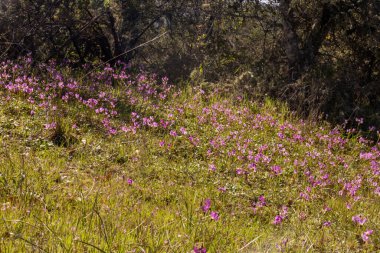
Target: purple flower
x=297, y=137
x=276, y=169
x=240, y=171
x=326, y=209
x=284, y=211
x=372, y=128
x=262, y=201
x=366, y=156
x=199, y=250
x=206, y=205
x=252, y=166
x=327, y=224
x=52, y=125
x=304, y=196
x=359, y=219
x=112, y=131
x=366, y=234
x=278, y=219
x=359, y=120
x=130, y=181
x=183, y=130
x=212, y=167
x=222, y=189
x=214, y=215
x=193, y=140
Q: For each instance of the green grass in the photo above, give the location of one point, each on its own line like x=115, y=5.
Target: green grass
x=73, y=195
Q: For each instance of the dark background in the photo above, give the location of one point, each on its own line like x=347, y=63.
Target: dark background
x=321, y=57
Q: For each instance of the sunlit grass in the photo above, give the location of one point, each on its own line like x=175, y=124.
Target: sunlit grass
x=138, y=181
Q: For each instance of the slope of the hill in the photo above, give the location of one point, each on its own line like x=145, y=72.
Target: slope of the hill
x=110, y=162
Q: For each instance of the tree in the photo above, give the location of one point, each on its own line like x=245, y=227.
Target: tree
x=306, y=26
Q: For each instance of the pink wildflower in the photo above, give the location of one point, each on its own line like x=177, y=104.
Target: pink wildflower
x=278, y=220
x=199, y=250
x=214, y=215
x=359, y=219
x=206, y=205
x=366, y=234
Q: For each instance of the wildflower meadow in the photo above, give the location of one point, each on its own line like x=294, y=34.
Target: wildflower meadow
x=119, y=160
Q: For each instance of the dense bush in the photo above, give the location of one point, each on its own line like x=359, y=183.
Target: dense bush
x=322, y=57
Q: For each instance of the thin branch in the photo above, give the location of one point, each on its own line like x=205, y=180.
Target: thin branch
x=89, y=244
x=31, y=243
x=68, y=40
x=245, y=246
x=128, y=51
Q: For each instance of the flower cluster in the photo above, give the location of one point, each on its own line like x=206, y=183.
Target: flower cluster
x=268, y=165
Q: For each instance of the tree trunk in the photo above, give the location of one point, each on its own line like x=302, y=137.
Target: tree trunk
x=301, y=54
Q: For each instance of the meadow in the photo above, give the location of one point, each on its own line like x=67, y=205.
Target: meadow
x=112, y=160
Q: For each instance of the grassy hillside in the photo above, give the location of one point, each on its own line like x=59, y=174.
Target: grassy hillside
x=112, y=162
